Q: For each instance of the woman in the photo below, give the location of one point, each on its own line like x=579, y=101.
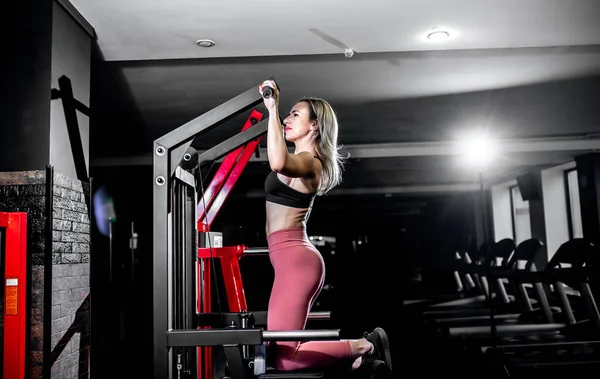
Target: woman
x=313, y=169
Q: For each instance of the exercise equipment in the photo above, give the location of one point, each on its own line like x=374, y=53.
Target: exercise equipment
x=472, y=305
x=267, y=91
x=563, y=338
x=465, y=284
x=527, y=252
x=184, y=248
x=476, y=274
x=15, y=285
x=577, y=343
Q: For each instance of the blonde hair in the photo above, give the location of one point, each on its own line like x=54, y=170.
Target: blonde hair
x=326, y=143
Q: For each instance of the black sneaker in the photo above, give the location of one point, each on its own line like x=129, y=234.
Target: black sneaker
x=379, y=339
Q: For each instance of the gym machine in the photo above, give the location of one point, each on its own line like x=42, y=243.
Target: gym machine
x=577, y=345
x=184, y=248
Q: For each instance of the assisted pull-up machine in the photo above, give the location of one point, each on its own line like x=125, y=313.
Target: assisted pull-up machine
x=183, y=248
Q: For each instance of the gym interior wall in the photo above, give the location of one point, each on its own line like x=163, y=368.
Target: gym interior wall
x=44, y=172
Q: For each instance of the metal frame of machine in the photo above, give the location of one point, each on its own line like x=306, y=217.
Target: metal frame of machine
x=182, y=251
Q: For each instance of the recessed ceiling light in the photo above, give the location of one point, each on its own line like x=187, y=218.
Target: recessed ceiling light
x=205, y=43
x=438, y=35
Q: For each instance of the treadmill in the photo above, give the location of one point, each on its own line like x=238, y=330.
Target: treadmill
x=476, y=271
x=553, y=320
x=511, y=307
x=579, y=342
x=465, y=284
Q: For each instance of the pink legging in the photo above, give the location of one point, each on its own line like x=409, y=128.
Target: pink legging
x=299, y=274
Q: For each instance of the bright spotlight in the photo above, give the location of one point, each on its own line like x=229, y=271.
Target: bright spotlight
x=477, y=150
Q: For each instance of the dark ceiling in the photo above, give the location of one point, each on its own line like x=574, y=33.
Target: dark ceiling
x=537, y=90
x=138, y=102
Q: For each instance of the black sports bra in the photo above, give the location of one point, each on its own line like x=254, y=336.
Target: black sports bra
x=280, y=193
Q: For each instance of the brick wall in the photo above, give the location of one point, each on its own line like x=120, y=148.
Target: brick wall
x=70, y=278
x=69, y=341
x=70, y=320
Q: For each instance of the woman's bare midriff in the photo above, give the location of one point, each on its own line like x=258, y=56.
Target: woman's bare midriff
x=282, y=217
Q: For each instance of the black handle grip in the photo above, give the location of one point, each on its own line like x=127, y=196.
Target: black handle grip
x=267, y=90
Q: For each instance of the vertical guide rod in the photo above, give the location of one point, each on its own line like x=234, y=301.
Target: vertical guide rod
x=190, y=266
x=161, y=235
x=178, y=269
